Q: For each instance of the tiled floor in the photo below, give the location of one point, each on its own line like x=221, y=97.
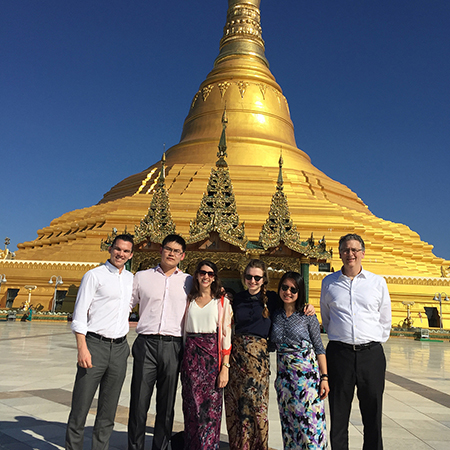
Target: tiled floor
x=37, y=368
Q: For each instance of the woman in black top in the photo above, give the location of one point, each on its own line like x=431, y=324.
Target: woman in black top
x=247, y=392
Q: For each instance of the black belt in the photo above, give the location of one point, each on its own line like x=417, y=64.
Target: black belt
x=358, y=347
x=162, y=337
x=103, y=338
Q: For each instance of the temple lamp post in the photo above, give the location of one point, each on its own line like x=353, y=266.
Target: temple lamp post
x=29, y=288
x=58, y=281
x=438, y=297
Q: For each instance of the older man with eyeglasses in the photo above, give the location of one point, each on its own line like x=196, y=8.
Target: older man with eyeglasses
x=161, y=293
x=356, y=312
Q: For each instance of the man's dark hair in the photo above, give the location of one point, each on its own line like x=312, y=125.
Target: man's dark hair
x=123, y=237
x=352, y=237
x=299, y=284
x=174, y=238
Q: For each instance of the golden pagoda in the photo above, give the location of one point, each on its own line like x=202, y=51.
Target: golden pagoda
x=259, y=127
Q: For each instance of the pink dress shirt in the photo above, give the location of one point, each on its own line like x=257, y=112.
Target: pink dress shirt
x=162, y=301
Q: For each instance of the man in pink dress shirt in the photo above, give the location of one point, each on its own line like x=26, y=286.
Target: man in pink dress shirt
x=161, y=293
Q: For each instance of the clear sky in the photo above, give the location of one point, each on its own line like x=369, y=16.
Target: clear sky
x=91, y=90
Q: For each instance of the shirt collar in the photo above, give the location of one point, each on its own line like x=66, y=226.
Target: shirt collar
x=362, y=274
x=111, y=267
x=159, y=269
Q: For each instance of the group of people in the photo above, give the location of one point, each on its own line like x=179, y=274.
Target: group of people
x=220, y=344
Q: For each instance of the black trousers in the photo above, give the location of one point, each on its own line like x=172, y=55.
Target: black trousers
x=156, y=360
x=366, y=370
x=110, y=367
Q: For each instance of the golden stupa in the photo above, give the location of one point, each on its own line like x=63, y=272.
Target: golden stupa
x=259, y=129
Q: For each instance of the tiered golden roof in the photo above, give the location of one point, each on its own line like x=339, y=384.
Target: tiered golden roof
x=158, y=222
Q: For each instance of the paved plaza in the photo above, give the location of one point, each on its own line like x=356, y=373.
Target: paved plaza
x=37, y=371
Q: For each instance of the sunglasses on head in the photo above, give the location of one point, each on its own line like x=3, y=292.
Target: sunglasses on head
x=249, y=277
x=205, y=272
x=285, y=287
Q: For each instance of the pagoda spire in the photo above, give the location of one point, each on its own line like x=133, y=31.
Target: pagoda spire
x=217, y=211
x=242, y=34
x=279, y=226
x=157, y=223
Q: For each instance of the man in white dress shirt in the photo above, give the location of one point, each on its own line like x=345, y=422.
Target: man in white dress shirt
x=356, y=313
x=100, y=324
x=161, y=293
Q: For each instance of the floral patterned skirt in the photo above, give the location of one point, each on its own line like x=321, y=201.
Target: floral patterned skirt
x=302, y=412
x=202, y=400
x=247, y=394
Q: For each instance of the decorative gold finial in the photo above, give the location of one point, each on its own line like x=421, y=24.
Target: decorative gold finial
x=280, y=172
x=242, y=34
x=162, y=174
x=222, y=153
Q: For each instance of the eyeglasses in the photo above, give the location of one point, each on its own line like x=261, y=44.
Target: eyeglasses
x=205, y=272
x=346, y=251
x=175, y=251
x=249, y=277
x=285, y=287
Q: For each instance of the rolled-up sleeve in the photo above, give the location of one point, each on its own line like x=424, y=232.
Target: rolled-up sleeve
x=86, y=293
x=385, y=312
x=226, y=327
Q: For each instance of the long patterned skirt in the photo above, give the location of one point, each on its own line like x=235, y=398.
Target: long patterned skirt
x=247, y=394
x=302, y=412
x=202, y=400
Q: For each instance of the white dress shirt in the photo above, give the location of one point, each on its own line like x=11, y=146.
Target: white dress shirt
x=356, y=311
x=162, y=301
x=103, y=302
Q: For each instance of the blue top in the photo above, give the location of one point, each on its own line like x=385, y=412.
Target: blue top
x=247, y=311
x=295, y=328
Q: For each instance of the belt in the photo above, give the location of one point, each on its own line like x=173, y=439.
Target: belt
x=103, y=338
x=162, y=337
x=358, y=347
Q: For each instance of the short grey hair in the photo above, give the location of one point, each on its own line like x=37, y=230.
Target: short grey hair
x=352, y=237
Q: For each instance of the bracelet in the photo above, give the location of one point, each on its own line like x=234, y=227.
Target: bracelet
x=227, y=365
x=324, y=376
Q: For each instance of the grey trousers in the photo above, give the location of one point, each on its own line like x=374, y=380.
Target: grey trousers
x=110, y=367
x=156, y=360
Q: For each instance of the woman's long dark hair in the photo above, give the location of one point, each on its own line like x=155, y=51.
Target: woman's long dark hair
x=216, y=285
x=299, y=284
x=258, y=264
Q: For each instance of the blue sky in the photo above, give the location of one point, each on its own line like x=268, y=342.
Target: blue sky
x=91, y=90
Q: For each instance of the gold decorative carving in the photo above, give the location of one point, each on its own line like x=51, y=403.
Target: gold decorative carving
x=105, y=244
x=223, y=87
x=242, y=86
x=206, y=91
x=144, y=260
x=279, y=227
x=244, y=20
x=263, y=88
x=194, y=100
x=217, y=211
x=157, y=223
